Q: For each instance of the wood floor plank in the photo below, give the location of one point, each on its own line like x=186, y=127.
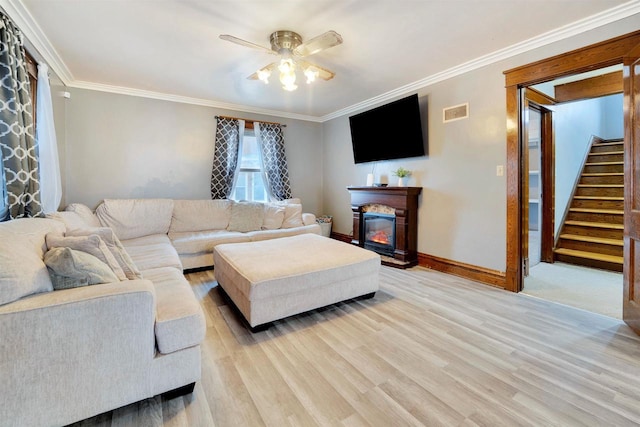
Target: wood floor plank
x=429, y=349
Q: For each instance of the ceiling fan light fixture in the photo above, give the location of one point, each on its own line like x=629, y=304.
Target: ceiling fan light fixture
x=264, y=75
x=288, y=74
x=311, y=75
x=290, y=47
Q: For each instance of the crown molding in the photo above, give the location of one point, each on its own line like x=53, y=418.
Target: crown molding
x=188, y=100
x=34, y=34
x=37, y=38
x=575, y=28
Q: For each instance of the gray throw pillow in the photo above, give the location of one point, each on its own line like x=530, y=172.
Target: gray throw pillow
x=93, y=245
x=114, y=245
x=69, y=269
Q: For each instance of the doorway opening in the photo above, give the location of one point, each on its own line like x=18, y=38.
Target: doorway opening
x=573, y=177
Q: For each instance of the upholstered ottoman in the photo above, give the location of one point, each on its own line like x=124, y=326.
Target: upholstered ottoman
x=274, y=279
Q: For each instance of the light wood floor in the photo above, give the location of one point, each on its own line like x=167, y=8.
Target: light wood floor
x=429, y=349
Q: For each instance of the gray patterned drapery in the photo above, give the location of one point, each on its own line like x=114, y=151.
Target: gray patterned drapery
x=17, y=142
x=274, y=162
x=229, y=133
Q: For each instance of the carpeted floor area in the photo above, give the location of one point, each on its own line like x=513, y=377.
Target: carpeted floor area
x=590, y=289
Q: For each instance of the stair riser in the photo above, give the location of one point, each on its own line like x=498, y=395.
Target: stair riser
x=591, y=247
x=596, y=217
x=589, y=262
x=605, y=157
x=607, y=148
x=603, y=168
x=600, y=191
x=615, y=179
x=592, y=231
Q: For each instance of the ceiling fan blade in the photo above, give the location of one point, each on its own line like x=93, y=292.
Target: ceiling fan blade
x=323, y=73
x=319, y=43
x=269, y=68
x=245, y=43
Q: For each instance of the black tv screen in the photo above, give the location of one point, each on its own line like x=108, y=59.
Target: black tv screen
x=392, y=131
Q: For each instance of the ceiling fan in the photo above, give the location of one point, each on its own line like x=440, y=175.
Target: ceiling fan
x=291, y=49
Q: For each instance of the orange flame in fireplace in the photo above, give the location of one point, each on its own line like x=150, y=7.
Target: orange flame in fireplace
x=380, y=237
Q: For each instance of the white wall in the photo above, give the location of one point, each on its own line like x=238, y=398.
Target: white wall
x=120, y=146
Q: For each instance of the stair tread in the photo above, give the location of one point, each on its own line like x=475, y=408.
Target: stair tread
x=606, y=153
x=596, y=224
x=601, y=185
x=603, y=163
x=597, y=210
x=591, y=239
x=590, y=255
x=599, y=198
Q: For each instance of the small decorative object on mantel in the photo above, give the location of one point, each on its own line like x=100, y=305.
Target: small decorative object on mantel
x=401, y=173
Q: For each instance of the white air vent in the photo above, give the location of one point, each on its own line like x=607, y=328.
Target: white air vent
x=457, y=112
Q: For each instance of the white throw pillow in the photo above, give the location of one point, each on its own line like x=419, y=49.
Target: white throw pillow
x=273, y=216
x=22, y=248
x=246, y=216
x=292, y=216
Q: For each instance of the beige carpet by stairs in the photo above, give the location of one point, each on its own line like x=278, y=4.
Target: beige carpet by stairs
x=590, y=289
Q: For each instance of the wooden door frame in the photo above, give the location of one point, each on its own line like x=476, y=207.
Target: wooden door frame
x=537, y=101
x=599, y=55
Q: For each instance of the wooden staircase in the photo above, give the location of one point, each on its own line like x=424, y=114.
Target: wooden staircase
x=591, y=234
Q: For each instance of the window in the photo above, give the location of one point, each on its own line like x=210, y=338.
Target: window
x=250, y=185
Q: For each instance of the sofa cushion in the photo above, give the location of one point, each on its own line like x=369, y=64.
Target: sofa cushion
x=273, y=216
x=22, y=248
x=131, y=218
x=92, y=245
x=204, y=241
x=179, y=319
x=84, y=212
x=256, y=236
x=69, y=268
x=198, y=215
x=246, y=216
x=153, y=256
x=154, y=239
x=115, y=247
x=69, y=219
x=292, y=216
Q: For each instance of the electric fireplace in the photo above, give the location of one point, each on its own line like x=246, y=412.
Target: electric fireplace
x=379, y=232
x=394, y=230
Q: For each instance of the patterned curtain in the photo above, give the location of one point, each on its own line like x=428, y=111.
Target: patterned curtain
x=19, y=148
x=274, y=162
x=229, y=133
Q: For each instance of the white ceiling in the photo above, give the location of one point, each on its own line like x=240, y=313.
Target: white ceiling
x=171, y=50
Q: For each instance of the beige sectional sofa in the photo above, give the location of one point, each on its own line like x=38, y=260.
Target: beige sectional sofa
x=69, y=354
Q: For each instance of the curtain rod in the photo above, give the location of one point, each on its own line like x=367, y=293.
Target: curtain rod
x=250, y=121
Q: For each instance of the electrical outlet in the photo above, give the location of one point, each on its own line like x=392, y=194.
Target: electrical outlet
x=500, y=170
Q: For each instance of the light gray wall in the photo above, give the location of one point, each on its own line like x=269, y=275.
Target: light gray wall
x=574, y=125
x=120, y=146
x=613, y=117
x=462, y=211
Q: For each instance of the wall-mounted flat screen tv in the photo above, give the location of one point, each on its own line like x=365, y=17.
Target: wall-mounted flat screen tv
x=392, y=131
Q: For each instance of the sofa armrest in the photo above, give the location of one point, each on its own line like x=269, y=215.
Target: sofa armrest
x=70, y=354
x=308, y=218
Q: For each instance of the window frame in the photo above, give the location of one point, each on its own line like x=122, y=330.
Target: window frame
x=249, y=131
